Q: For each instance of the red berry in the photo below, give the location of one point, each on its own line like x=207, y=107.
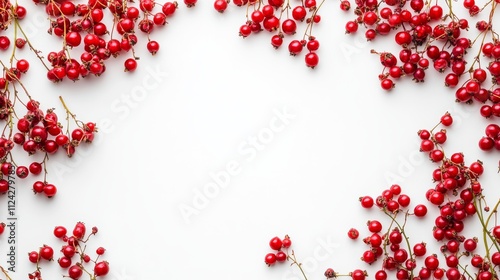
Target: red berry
x=446, y=119
x=33, y=256
x=60, y=231
x=46, y=252
x=49, y=190
x=287, y=242
x=130, y=64
x=270, y=259
x=275, y=243
x=75, y=272
x=79, y=230
x=311, y=59
x=353, y=233
x=153, y=47
x=64, y=262
x=374, y=226
x=281, y=256
x=101, y=268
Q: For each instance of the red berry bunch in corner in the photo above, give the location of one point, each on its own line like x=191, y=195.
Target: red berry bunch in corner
x=492, y=139
x=94, y=31
x=74, y=258
x=433, y=35
x=40, y=135
x=282, y=21
x=90, y=33
x=390, y=242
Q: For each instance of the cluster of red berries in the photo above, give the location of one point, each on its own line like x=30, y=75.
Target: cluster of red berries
x=492, y=139
x=457, y=198
x=389, y=244
x=278, y=244
x=85, y=34
x=429, y=34
x=39, y=132
x=84, y=24
x=271, y=17
x=74, y=247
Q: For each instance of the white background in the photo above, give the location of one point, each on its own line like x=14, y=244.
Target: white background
x=347, y=138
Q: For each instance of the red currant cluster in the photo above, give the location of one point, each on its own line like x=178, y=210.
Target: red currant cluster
x=278, y=244
x=492, y=139
x=74, y=247
x=425, y=31
x=457, y=197
x=389, y=244
x=275, y=18
x=84, y=24
x=39, y=132
x=85, y=34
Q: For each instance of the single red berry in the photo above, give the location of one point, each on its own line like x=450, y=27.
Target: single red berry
x=79, y=230
x=100, y=250
x=270, y=259
x=276, y=243
x=46, y=252
x=374, y=226
x=60, y=231
x=22, y=172
x=153, y=47
x=64, y=262
x=366, y=201
x=49, y=190
x=281, y=256
x=446, y=119
x=289, y=26
x=277, y=40
x=420, y=210
x=35, y=168
x=286, y=242
x=299, y=13
x=75, y=272
x=130, y=64
x=33, y=256
x=311, y=60
x=387, y=84
x=101, y=268
x=220, y=5
x=353, y=233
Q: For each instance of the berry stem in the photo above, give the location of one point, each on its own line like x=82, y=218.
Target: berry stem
x=37, y=53
x=293, y=258
x=5, y=273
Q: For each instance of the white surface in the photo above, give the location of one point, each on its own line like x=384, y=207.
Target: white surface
x=345, y=139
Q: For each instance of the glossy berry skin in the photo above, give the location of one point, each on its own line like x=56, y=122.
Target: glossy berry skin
x=79, y=230
x=353, y=233
x=276, y=243
x=49, y=190
x=286, y=242
x=281, y=256
x=130, y=65
x=46, y=252
x=60, y=231
x=153, y=47
x=101, y=268
x=75, y=272
x=270, y=259
x=220, y=5
x=312, y=60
